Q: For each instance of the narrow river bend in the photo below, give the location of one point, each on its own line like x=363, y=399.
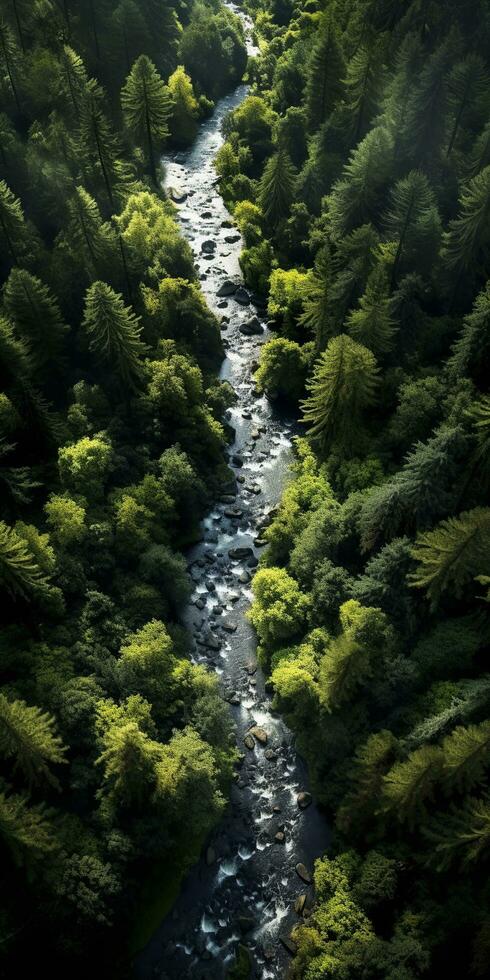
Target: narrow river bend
x=244, y=888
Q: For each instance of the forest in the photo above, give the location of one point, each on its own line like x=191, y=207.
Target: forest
x=357, y=170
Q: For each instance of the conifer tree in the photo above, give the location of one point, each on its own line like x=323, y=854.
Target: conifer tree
x=131, y=31
x=467, y=756
x=146, y=107
x=85, y=233
x=276, y=189
x=12, y=223
x=372, y=325
x=363, y=86
x=471, y=354
x=20, y=574
x=113, y=332
x=425, y=121
x=27, y=737
x=356, y=197
x=25, y=828
x=15, y=359
x=343, y=385
x=468, y=87
x=479, y=156
x=411, y=203
x=452, y=554
x=326, y=71
x=10, y=60
x=469, y=233
x=461, y=835
x=74, y=78
x=35, y=313
x=409, y=786
x=316, y=314
x=98, y=140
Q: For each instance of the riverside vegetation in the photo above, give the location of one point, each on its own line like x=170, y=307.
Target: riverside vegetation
x=358, y=170
x=116, y=751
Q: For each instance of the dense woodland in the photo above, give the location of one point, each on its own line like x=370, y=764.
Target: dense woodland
x=111, y=447
x=358, y=170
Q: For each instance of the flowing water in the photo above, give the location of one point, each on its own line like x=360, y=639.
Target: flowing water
x=244, y=887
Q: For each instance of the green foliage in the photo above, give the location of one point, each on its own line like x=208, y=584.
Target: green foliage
x=453, y=554
x=276, y=189
x=113, y=332
x=147, y=107
x=343, y=385
x=27, y=738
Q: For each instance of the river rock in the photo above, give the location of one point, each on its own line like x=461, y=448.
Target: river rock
x=249, y=743
x=244, y=578
x=250, y=667
x=303, y=873
x=228, y=626
x=231, y=239
x=300, y=904
x=210, y=855
x=200, y=604
x=304, y=799
x=237, y=460
x=177, y=195
x=289, y=945
x=228, y=288
x=280, y=837
x=206, y=215
x=233, y=512
x=241, y=296
x=239, y=554
x=259, y=733
x=227, y=223
x=208, y=246
x=270, y=755
x=252, y=327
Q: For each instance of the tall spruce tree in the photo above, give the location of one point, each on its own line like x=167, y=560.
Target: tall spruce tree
x=147, y=106
x=113, y=332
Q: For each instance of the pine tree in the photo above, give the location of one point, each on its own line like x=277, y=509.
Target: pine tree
x=27, y=738
x=372, y=325
x=85, y=232
x=276, y=189
x=20, y=574
x=129, y=758
x=343, y=385
x=471, y=354
x=452, y=554
x=469, y=233
x=98, y=140
x=461, y=835
x=326, y=72
x=425, y=124
x=356, y=197
x=35, y=313
x=363, y=86
x=409, y=786
x=316, y=314
x=15, y=359
x=113, y=332
x=25, y=829
x=345, y=666
x=12, y=223
x=479, y=156
x=468, y=87
x=146, y=107
x=130, y=31
x=10, y=60
x=467, y=756
x=479, y=413
x=411, y=203
x=371, y=763
x=74, y=79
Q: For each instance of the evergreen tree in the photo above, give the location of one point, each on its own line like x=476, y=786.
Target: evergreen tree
x=425, y=123
x=372, y=325
x=10, y=60
x=356, y=197
x=74, y=79
x=409, y=786
x=113, y=332
x=468, y=235
x=462, y=834
x=12, y=224
x=471, y=354
x=343, y=385
x=326, y=71
x=411, y=204
x=36, y=316
x=467, y=756
x=15, y=359
x=99, y=143
x=147, y=107
x=276, y=189
x=452, y=554
x=25, y=829
x=363, y=86
x=85, y=233
x=316, y=314
x=468, y=88
x=20, y=573
x=27, y=737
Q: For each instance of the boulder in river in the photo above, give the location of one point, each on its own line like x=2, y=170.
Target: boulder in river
x=300, y=904
x=239, y=554
x=241, y=296
x=252, y=327
x=304, y=799
x=227, y=288
x=259, y=733
x=249, y=743
x=280, y=837
x=177, y=195
x=303, y=873
x=208, y=246
x=231, y=239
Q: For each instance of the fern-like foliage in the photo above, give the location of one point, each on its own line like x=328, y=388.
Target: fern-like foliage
x=452, y=554
x=27, y=737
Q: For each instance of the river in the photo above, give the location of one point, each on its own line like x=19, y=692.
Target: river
x=244, y=888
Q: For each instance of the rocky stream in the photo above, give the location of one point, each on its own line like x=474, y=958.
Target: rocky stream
x=253, y=879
